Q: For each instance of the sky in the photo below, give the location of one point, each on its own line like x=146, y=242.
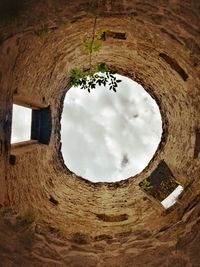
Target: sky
x=172, y=198
x=21, y=124
x=108, y=136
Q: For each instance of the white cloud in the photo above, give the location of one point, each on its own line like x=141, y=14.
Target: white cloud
x=101, y=128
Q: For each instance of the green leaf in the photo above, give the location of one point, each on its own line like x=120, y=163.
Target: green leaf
x=87, y=44
x=100, y=34
x=102, y=67
x=96, y=46
x=113, y=71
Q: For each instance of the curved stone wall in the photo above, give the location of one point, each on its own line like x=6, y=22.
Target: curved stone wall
x=77, y=223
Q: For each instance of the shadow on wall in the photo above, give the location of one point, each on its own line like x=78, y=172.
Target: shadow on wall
x=10, y=9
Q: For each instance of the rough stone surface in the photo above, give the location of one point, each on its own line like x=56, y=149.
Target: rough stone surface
x=101, y=224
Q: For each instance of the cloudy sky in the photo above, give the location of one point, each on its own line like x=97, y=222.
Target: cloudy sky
x=21, y=124
x=108, y=136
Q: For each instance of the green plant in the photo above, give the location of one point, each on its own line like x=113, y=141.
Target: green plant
x=94, y=75
x=28, y=216
x=93, y=44
x=145, y=185
x=89, y=79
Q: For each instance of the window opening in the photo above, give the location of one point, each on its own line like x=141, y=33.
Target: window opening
x=21, y=124
x=31, y=124
x=162, y=186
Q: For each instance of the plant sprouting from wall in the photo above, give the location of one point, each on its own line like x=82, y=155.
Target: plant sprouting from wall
x=28, y=215
x=145, y=185
x=94, y=75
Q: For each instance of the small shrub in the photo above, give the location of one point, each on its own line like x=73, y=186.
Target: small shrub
x=28, y=216
x=145, y=185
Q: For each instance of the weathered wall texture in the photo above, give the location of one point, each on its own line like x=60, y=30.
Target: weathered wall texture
x=78, y=223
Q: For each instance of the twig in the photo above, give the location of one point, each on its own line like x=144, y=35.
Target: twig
x=92, y=42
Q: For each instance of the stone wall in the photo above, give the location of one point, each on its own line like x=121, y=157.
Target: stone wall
x=77, y=223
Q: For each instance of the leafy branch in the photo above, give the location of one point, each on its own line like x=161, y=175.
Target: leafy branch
x=98, y=75
x=92, y=42
x=89, y=79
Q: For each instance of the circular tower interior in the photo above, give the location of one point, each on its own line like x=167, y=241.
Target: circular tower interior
x=48, y=215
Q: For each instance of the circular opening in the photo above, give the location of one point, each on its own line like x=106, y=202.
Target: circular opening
x=109, y=136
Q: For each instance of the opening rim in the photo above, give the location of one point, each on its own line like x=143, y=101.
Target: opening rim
x=122, y=183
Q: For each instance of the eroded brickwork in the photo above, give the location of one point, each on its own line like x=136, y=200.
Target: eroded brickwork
x=74, y=222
